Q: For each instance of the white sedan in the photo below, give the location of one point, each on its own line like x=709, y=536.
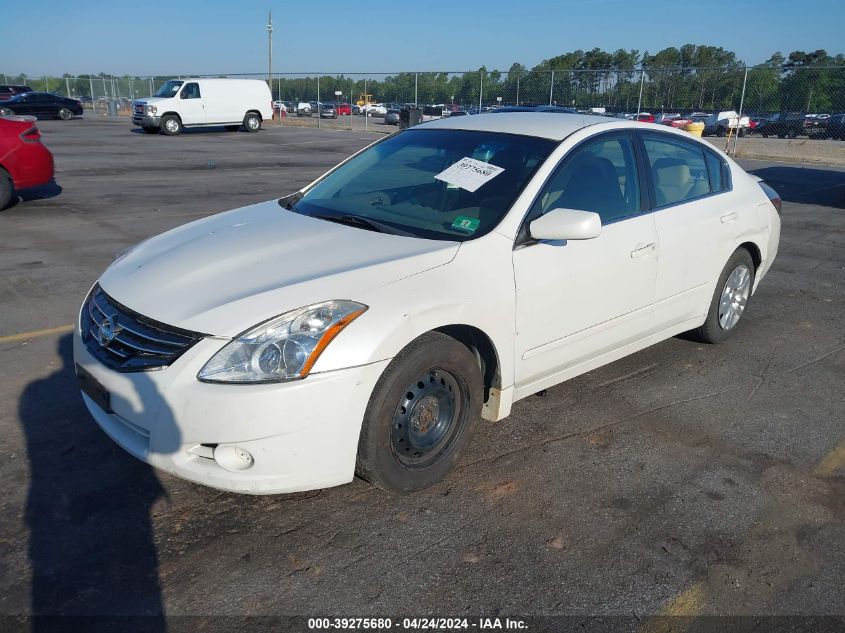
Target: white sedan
x=367, y=322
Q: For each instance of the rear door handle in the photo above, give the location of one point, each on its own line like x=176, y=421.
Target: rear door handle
x=643, y=250
x=730, y=217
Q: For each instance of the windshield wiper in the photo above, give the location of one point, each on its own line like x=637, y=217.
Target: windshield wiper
x=364, y=223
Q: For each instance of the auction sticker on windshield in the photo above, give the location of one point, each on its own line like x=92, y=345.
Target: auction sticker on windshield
x=469, y=173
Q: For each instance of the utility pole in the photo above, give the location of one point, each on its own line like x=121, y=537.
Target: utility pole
x=270, y=49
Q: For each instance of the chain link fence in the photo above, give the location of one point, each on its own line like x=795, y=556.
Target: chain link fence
x=809, y=97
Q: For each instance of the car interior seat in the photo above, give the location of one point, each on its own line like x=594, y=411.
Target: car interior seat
x=673, y=181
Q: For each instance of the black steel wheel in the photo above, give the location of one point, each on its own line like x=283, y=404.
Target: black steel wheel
x=421, y=415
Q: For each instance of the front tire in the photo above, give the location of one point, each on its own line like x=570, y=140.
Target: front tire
x=730, y=298
x=64, y=114
x=252, y=122
x=421, y=415
x=171, y=125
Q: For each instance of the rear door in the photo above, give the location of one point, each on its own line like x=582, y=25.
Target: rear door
x=697, y=220
x=191, y=105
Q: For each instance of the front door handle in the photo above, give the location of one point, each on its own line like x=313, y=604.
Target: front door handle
x=730, y=217
x=642, y=250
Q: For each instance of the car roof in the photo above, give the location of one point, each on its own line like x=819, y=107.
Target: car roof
x=552, y=125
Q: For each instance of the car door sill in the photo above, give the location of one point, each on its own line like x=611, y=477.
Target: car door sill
x=527, y=389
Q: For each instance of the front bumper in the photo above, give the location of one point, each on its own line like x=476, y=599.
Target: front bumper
x=302, y=435
x=146, y=120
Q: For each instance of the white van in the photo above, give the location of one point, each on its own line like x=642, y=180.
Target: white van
x=183, y=103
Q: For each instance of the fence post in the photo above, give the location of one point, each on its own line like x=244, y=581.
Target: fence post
x=366, y=102
x=46, y=84
x=67, y=86
x=640, y=99
x=91, y=86
x=551, y=87
x=480, y=89
x=318, y=99
x=741, y=104
x=517, y=90
x=416, y=90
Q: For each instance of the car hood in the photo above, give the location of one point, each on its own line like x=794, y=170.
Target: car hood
x=153, y=100
x=223, y=274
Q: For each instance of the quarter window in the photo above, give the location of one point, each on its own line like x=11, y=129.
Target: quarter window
x=716, y=171
x=678, y=170
x=599, y=176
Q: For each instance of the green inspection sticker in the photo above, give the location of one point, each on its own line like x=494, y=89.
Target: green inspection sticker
x=464, y=223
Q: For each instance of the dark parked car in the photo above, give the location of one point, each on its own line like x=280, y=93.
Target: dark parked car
x=392, y=117
x=42, y=104
x=836, y=126
x=815, y=126
x=782, y=125
x=7, y=91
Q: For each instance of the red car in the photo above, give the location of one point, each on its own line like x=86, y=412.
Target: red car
x=24, y=161
x=343, y=108
x=644, y=117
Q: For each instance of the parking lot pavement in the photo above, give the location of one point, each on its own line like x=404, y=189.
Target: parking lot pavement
x=686, y=478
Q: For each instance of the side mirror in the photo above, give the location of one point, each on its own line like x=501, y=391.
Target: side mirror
x=566, y=224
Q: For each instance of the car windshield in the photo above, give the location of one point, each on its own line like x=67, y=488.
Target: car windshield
x=169, y=88
x=401, y=185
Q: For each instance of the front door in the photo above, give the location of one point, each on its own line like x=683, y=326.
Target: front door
x=577, y=300
x=191, y=107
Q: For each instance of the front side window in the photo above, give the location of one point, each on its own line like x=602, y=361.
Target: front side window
x=398, y=185
x=678, y=170
x=599, y=176
x=169, y=88
x=191, y=91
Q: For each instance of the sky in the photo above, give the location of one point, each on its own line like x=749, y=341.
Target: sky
x=205, y=37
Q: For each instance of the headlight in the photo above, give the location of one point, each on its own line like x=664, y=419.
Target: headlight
x=151, y=109
x=283, y=348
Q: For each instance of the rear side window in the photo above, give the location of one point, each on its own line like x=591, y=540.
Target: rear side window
x=678, y=170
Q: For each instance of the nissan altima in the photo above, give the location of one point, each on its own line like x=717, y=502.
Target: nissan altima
x=369, y=321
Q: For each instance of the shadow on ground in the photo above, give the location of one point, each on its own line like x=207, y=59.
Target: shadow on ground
x=91, y=543
x=824, y=187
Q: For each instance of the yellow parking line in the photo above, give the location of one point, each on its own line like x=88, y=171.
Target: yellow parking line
x=676, y=616
x=25, y=336
x=832, y=462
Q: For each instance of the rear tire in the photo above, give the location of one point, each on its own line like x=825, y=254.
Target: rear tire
x=252, y=122
x=6, y=112
x=421, y=415
x=730, y=298
x=171, y=125
x=6, y=188
x=64, y=114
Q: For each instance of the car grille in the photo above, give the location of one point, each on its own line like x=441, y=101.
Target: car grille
x=127, y=341
x=139, y=109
